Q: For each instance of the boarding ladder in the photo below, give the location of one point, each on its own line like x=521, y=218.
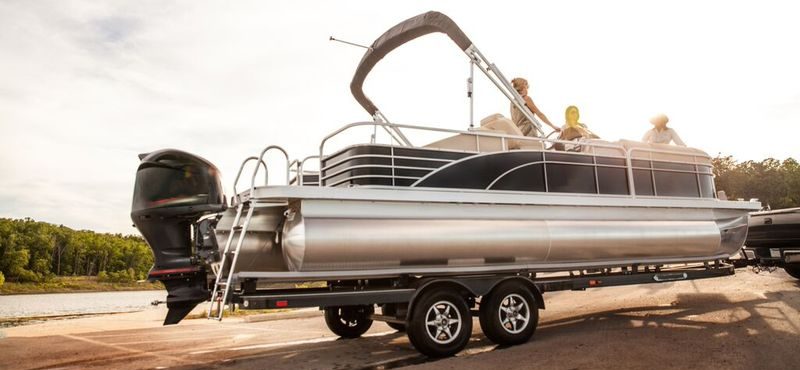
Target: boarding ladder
x=225, y=270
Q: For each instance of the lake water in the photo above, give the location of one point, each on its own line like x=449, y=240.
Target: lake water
x=27, y=305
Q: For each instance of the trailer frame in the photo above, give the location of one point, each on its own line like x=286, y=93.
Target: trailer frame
x=402, y=298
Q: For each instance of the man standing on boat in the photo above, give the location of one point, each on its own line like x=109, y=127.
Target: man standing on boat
x=524, y=124
x=661, y=134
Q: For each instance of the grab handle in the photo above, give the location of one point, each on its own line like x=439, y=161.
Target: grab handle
x=261, y=159
x=239, y=174
x=670, y=277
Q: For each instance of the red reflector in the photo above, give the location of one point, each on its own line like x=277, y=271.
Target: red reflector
x=594, y=282
x=282, y=304
x=174, y=271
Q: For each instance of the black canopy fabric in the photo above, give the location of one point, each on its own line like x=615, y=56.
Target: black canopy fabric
x=400, y=34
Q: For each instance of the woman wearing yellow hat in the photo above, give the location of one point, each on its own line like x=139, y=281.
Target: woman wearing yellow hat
x=661, y=134
x=574, y=129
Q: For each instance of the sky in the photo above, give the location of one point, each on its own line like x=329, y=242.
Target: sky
x=85, y=86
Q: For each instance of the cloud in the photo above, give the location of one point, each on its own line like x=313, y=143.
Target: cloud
x=116, y=29
x=86, y=86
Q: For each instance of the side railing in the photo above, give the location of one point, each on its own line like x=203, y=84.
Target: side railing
x=239, y=174
x=698, y=161
x=236, y=198
x=261, y=159
x=669, y=161
x=297, y=166
x=301, y=172
x=505, y=138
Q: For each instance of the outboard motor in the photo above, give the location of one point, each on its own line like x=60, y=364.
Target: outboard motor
x=173, y=190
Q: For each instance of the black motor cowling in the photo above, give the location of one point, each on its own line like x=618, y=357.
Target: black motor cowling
x=173, y=190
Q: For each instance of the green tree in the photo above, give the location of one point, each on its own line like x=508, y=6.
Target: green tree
x=775, y=183
x=32, y=251
x=16, y=261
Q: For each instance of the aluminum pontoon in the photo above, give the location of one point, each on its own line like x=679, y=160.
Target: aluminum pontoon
x=426, y=231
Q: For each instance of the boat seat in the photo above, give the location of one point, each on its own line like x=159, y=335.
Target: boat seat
x=640, y=150
x=495, y=123
x=611, y=149
x=502, y=125
x=467, y=142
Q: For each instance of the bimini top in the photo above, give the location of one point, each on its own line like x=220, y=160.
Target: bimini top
x=400, y=34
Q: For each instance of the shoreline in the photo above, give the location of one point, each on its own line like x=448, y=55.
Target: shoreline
x=132, y=289
x=76, y=284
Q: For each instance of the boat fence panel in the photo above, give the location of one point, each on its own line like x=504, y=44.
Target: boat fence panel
x=590, y=167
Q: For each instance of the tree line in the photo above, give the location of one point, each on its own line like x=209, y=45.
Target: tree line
x=774, y=182
x=32, y=251
x=35, y=251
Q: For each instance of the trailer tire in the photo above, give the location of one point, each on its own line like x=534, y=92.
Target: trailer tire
x=793, y=270
x=441, y=323
x=509, y=314
x=349, y=321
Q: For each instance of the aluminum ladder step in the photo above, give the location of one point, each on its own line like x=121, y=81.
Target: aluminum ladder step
x=219, y=294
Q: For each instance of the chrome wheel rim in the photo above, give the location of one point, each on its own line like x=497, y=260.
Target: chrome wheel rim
x=346, y=318
x=514, y=313
x=443, y=322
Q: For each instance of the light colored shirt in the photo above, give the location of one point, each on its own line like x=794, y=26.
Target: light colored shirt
x=524, y=124
x=653, y=136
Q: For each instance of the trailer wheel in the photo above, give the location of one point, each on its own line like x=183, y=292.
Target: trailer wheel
x=509, y=314
x=441, y=323
x=349, y=321
x=793, y=270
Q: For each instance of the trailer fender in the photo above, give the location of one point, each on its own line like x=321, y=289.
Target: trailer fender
x=526, y=281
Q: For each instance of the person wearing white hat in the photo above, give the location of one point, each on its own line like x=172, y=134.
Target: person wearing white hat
x=661, y=134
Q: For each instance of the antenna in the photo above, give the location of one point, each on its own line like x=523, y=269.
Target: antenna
x=470, y=93
x=349, y=43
